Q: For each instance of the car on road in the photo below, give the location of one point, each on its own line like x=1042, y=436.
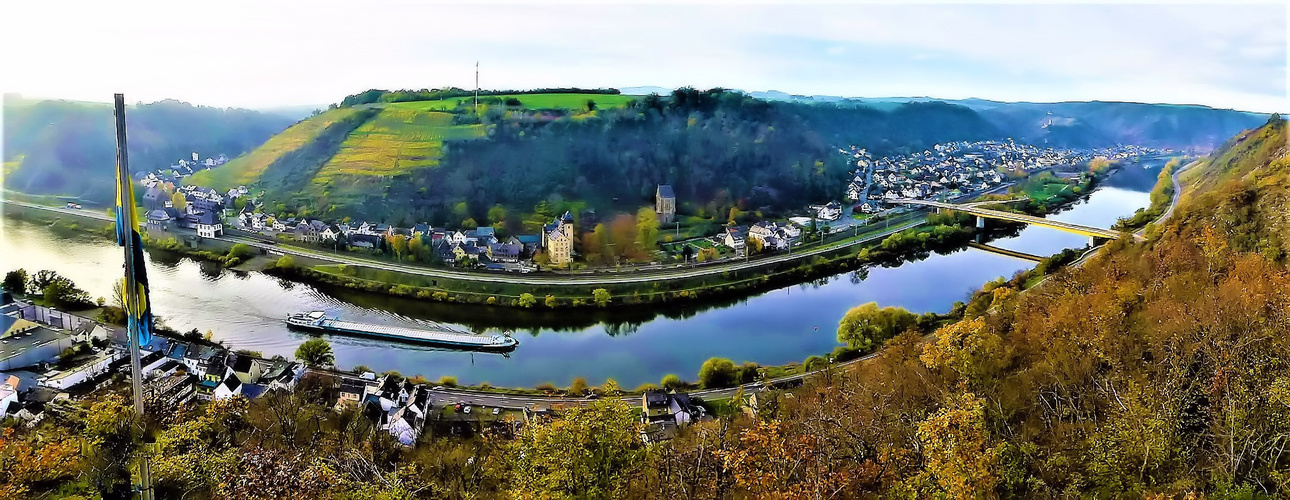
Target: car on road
x=437, y=388
x=496, y=411
x=466, y=411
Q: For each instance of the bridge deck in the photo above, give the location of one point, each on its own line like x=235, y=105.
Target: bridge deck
x=1009, y=216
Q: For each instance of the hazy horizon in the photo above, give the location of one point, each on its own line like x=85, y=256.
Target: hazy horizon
x=288, y=54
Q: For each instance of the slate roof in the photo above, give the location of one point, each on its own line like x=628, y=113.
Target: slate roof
x=665, y=191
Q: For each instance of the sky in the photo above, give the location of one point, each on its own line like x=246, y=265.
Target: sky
x=268, y=53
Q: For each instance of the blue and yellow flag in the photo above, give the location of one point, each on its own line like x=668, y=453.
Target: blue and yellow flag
x=127, y=226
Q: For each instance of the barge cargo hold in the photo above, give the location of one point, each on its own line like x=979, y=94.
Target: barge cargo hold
x=317, y=321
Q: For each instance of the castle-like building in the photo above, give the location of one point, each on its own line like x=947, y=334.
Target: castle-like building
x=557, y=239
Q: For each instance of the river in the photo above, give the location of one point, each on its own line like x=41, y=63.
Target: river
x=244, y=309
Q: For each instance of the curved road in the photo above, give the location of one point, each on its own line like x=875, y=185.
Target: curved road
x=511, y=278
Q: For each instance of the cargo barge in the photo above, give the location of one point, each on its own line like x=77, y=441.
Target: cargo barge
x=317, y=321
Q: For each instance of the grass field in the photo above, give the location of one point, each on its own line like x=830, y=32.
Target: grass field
x=397, y=140
x=247, y=168
x=531, y=101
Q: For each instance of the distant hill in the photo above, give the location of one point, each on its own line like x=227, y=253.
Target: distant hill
x=69, y=148
x=420, y=160
x=1084, y=124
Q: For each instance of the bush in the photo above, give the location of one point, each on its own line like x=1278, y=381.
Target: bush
x=546, y=387
x=717, y=372
x=448, y=381
x=814, y=363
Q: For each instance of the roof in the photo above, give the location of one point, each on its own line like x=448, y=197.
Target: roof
x=208, y=218
x=19, y=343
x=232, y=383
x=485, y=231
x=529, y=239
x=352, y=386
x=665, y=191
x=253, y=390
x=567, y=217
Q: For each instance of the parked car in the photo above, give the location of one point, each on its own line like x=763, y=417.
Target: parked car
x=466, y=411
x=496, y=411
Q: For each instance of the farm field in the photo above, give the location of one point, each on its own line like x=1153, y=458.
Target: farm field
x=397, y=140
x=247, y=168
x=531, y=101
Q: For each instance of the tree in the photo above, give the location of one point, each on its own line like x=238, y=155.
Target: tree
x=961, y=458
x=285, y=262
x=16, y=280
x=646, y=229
x=497, y=214
x=672, y=382
x=418, y=250
x=57, y=289
x=178, y=201
x=399, y=244
x=579, y=386
x=717, y=372
x=601, y=296
x=461, y=210
x=527, y=300
x=551, y=302
x=316, y=352
x=735, y=214
x=469, y=223
x=592, y=451
x=591, y=105
x=866, y=325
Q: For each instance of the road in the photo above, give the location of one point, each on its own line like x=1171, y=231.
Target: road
x=1173, y=203
x=547, y=279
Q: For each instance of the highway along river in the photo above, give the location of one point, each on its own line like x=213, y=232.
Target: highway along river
x=632, y=347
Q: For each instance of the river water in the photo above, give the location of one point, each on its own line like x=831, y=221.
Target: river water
x=631, y=346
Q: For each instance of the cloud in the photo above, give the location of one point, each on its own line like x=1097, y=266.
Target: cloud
x=238, y=52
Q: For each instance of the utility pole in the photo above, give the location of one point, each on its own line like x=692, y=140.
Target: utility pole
x=131, y=297
x=476, y=88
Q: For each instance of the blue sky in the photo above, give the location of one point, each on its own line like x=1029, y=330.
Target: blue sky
x=287, y=52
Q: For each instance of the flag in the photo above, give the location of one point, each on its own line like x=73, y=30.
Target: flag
x=139, y=317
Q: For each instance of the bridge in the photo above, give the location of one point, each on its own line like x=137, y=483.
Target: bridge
x=1094, y=233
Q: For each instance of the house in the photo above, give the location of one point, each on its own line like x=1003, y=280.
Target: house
x=669, y=408
x=467, y=251
x=505, y=252
x=364, y=240
x=734, y=237
x=278, y=225
x=830, y=211
x=306, y=232
x=158, y=220
x=557, y=239
x=420, y=229
x=231, y=386
x=282, y=375
x=154, y=198
x=29, y=344
x=209, y=225
x=351, y=390
x=530, y=242
x=174, y=389
x=246, y=368
x=665, y=204
x=443, y=250
x=9, y=397
x=330, y=233
x=485, y=235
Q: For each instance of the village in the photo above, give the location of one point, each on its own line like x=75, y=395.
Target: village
x=953, y=169
x=50, y=357
x=950, y=170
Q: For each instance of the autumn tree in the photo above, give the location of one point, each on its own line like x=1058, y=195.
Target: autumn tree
x=961, y=458
x=601, y=296
x=179, y=201
x=866, y=325
x=717, y=372
x=399, y=244
x=592, y=451
x=527, y=300
x=646, y=229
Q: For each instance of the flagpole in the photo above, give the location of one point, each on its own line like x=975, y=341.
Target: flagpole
x=131, y=295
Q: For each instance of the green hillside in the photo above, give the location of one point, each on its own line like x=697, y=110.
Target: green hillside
x=247, y=168
x=420, y=160
x=69, y=148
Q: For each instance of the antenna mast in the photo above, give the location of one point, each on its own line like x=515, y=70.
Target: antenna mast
x=476, y=87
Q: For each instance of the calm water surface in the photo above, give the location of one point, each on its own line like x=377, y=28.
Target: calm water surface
x=632, y=347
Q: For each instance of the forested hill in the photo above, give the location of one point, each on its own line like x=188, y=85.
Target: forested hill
x=416, y=160
x=1093, y=124
x=69, y=148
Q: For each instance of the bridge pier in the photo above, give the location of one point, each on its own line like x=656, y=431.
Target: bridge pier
x=980, y=222
x=1094, y=241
